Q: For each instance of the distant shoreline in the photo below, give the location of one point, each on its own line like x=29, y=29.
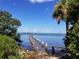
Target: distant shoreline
x=58, y=34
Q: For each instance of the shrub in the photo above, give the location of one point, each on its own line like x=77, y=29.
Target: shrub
x=7, y=47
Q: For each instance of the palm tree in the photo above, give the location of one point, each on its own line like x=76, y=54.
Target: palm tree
x=68, y=10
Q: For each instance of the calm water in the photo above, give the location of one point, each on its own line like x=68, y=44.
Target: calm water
x=51, y=40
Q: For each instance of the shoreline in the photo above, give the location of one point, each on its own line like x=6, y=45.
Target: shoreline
x=26, y=54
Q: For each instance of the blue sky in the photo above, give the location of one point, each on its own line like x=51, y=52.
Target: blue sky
x=35, y=15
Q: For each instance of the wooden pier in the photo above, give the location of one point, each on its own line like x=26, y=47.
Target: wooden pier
x=37, y=46
x=42, y=49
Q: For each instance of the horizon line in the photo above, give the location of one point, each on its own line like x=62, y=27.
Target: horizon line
x=41, y=32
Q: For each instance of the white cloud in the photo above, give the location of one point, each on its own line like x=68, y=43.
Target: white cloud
x=40, y=1
x=35, y=30
x=42, y=30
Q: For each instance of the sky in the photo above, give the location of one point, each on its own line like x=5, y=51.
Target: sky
x=35, y=15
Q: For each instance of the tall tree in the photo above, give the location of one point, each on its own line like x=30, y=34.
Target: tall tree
x=68, y=10
x=9, y=25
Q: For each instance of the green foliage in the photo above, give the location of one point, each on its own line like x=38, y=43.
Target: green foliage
x=14, y=57
x=8, y=36
x=68, y=10
x=9, y=25
x=7, y=48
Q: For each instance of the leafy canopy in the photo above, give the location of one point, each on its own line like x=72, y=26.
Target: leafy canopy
x=68, y=10
x=9, y=25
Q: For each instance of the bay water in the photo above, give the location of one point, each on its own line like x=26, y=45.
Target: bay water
x=50, y=40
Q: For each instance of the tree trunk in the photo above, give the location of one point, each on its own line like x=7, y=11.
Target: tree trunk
x=67, y=27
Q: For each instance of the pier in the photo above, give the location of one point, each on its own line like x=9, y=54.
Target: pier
x=42, y=49
x=37, y=46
